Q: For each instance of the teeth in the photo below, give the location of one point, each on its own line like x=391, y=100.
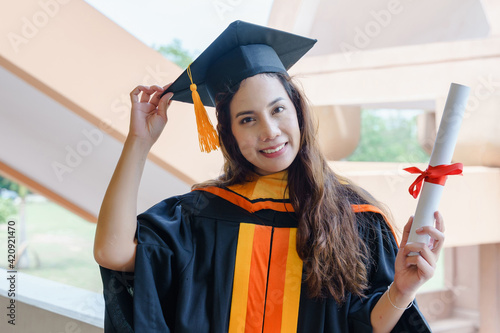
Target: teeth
x=270, y=151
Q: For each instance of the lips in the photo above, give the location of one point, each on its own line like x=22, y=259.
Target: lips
x=273, y=150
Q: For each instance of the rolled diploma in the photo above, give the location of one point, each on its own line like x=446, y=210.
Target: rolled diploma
x=442, y=153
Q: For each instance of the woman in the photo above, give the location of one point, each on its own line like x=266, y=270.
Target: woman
x=278, y=243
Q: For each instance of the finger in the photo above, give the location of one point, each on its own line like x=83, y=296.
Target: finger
x=426, y=270
x=437, y=237
x=439, y=221
x=436, y=246
x=165, y=87
x=164, y=104
x=419, y=252
x=134, y=94
x=156, y=87
x=406, y=232
x=425, y=261
x=146, y=95
x=157, y=95
x=424, y=251
x=431, y=231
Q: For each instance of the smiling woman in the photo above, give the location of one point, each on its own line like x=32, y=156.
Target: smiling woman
x=278, y=242
x=264, y=124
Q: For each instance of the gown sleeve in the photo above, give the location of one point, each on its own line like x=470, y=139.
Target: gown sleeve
x=117, y=291
x=383, y=250
x=146, y=298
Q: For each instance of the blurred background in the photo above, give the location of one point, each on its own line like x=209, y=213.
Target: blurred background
x=377, y=80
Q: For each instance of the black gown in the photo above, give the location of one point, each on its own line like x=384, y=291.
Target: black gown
x=224, y=260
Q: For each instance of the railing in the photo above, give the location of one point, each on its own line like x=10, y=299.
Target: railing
x=33, y=304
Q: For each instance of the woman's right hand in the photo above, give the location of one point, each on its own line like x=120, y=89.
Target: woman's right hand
x=149, y=112
x=115, y=244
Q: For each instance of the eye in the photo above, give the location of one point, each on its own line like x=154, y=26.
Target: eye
x=278, y=109
x=246, y=120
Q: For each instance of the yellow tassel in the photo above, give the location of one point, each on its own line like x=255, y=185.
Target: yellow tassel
x=207, y=135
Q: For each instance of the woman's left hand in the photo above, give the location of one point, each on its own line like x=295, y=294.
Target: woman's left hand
x=411, y=272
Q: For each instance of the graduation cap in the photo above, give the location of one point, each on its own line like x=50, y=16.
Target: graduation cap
x=241, y=51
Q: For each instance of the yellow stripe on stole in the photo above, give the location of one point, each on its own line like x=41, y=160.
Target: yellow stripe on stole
x=291, y=288
x=293, y=282
x=237, y=318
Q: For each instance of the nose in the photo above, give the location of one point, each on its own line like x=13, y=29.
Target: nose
x=269, y=130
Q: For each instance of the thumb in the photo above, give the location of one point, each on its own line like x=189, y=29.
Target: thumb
x=406, y=232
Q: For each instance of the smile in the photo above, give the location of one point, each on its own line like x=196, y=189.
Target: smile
x=274, y=150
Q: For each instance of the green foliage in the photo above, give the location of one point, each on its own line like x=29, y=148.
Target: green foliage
x=176, y=53
x=7, y=209
x=59, y=246
x=389, y=136
x=7, y=206
x=8, y=184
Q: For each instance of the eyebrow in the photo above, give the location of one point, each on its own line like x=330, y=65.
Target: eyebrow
x=243, y=113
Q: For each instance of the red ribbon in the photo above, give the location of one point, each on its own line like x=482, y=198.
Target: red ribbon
x=433, y=174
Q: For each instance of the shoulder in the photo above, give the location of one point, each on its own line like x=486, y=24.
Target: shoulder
x=362, y=203
x=206, y=202
x=191, y=203
x=169, y=222
x=356, y=194
x=371, y=215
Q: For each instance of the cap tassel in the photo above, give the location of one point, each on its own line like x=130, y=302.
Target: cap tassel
x=207, y=135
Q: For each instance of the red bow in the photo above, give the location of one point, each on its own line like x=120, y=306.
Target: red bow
x=433, y=174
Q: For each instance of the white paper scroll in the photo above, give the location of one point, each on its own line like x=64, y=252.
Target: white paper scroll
x=442, y=153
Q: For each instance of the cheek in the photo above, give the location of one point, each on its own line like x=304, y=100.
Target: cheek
x=245, y=143
x=297, y=132
x=242, y=138
x=294, y=129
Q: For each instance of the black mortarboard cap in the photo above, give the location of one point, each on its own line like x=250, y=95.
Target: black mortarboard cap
x=241, y=51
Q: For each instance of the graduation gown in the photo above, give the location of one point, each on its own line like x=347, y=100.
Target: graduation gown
x=224, y=260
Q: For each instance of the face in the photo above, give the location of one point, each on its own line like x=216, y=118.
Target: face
x=264, y=124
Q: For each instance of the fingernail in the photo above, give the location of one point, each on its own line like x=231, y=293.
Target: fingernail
x=419, y=229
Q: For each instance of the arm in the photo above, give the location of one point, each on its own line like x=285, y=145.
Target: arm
x=115, y=244
x=410, y=273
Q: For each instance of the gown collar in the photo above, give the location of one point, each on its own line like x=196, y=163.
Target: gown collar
x=273, y=186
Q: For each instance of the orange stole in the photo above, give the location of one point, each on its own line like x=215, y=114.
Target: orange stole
x=266, y=268
x=259, y=266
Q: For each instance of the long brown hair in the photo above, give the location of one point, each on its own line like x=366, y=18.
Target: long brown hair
x=328, y=241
